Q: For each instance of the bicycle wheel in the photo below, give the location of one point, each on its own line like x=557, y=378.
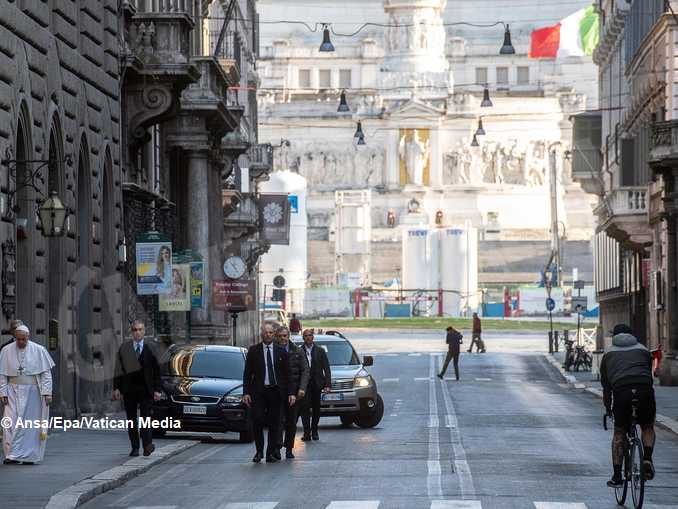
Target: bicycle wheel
x=620, y=493
x=637, y=477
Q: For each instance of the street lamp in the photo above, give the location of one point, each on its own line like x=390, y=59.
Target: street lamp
x=327, y=46
x=52, y=214
x=480, y=131
x=507, y=48
x=486, y=102
x=474, y=142
x=343, y=104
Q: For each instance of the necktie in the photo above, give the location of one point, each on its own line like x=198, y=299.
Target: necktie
x=137, y=347
x=269, y=366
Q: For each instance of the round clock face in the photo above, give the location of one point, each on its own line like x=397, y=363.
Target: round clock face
x=234, y=267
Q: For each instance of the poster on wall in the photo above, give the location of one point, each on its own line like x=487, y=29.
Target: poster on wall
x=153, y=264
x=197, y=285
x=179, y=298
x=274, y=218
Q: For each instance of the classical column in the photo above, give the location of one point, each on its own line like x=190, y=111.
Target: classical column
x=669, y=365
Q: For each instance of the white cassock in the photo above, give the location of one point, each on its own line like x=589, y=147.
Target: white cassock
x=25, y=377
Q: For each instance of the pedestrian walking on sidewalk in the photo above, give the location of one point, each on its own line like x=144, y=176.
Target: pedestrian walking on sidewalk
x=298, y=369
x=137, y=383
x=319, y=381
x=266, y=385
x=295, y=324
x=626, y=374
x=454, y=340
x=26, y=392
x=475, y=335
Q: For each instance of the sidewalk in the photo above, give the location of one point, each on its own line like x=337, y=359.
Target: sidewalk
x=73, y=456
x=666, y=397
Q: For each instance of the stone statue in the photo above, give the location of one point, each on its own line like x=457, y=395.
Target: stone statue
x=535, y=164
x=415, y=153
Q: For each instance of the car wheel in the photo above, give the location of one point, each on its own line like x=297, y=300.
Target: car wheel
x=347, y=420
x=370, y=421
x=159, y=433
x=246, y=437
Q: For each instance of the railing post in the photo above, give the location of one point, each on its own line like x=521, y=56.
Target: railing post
x=550, y=342
x=555, y=340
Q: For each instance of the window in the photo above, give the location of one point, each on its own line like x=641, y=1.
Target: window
x=523, y=75
x=304, y=78
x=345, y=78
x=325, y=78
x=502, y=76
x=481, y=75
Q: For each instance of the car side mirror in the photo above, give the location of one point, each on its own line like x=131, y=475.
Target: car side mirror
x=368, y=360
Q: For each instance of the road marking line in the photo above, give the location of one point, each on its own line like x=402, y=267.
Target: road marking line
x=354, y=504
x=249, y=505
x=414, y=354
x=483, y=379
x=461, y=466
x=390, y=354
x=655, y=506
x=456, y=504
x=390, y=380
x=423, y=379
x=560, y=505
x=153, y=507
x=434, y=478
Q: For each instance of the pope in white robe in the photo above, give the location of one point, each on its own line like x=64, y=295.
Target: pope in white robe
x=26, y=390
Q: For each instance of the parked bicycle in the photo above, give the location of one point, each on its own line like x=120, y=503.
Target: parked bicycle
x=632, y=467
x=577, y=357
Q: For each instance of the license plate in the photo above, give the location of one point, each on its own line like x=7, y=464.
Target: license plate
x=333, y=397
x=195, y=409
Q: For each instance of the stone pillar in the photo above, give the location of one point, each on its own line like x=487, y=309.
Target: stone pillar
x=668, y=372
x=436, y=160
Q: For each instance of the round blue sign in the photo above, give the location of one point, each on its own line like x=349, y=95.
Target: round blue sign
x=550, y=304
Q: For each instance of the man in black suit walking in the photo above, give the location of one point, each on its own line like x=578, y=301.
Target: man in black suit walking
x=453, y=340
x=137, y=381
x=319, y=381
x=266, y=384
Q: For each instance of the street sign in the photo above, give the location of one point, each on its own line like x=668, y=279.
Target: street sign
x=550, y=304
x=234, y=295
x=579, y=284
x=579, y=304
x=279, y=282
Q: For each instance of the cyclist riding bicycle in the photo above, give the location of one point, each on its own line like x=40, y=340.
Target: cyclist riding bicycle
x=625, y=374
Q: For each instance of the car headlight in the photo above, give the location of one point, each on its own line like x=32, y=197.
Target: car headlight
x=232, y=398
x=362, y=381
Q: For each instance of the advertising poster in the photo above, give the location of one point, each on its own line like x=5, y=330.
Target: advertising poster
x=179, y=298
x=274, y=217
x=197, y=285
x=154, y=264
x=234, y=295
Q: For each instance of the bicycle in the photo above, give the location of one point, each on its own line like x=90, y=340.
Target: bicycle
x=632, y=466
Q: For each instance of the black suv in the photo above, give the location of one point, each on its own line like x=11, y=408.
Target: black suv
x=202, y=388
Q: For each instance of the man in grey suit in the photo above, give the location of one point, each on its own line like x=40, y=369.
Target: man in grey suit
x=137, y=382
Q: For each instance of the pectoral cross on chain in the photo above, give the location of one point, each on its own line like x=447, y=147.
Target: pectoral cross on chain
x=21, y=370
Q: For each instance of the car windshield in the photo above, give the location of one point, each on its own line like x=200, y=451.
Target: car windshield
x=339, y=353
x=205, y=364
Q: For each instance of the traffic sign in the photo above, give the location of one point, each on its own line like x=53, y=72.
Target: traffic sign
x=579, y=304
x=550, y=304
x=579, y=284
x=279, y=282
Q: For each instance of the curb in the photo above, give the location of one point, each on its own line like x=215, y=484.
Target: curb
x=86, y=489
x=665, y=422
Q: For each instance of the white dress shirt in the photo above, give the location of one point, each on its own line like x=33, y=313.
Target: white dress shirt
x=141, y=346
x=309, y=352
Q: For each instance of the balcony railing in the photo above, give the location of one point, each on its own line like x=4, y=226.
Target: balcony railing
x=628, y=201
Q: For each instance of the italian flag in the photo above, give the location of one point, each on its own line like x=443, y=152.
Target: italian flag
x=574, y=36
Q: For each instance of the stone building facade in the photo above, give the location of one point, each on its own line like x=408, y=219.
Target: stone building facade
x=140, y=116
x=414, y=78
x=60, y=102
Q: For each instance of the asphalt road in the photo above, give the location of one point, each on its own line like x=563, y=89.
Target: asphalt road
x=510, y=434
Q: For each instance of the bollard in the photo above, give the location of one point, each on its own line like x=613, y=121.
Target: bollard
x=550, y=341
x=555, y=341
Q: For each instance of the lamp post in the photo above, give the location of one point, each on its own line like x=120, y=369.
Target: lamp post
x=52, y=214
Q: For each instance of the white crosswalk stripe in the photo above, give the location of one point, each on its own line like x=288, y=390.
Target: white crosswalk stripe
x=354, y=504
x=249, y=505
x=559, y=505
x=456, y=504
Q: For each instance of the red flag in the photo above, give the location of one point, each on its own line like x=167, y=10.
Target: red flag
x=545, y=42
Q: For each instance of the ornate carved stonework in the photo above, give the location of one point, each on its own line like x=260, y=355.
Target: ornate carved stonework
x=8, y=278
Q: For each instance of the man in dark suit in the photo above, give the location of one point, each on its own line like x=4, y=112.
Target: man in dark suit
x=298, y=374
x=266, y=384
x=453, y=340
x=137, y=381
x=319, y=381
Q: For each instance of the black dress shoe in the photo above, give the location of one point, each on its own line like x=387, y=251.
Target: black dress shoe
x=440, y=376
x=28, y=463
x=315, y=436
x=306, y=438
x=10, y=462
x=135, y=452
x=257, y=458
x=289, y=455
x=148, y=449
x=271, y=459
x=276, y=455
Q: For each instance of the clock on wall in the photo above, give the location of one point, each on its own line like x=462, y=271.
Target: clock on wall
x=234, y=267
